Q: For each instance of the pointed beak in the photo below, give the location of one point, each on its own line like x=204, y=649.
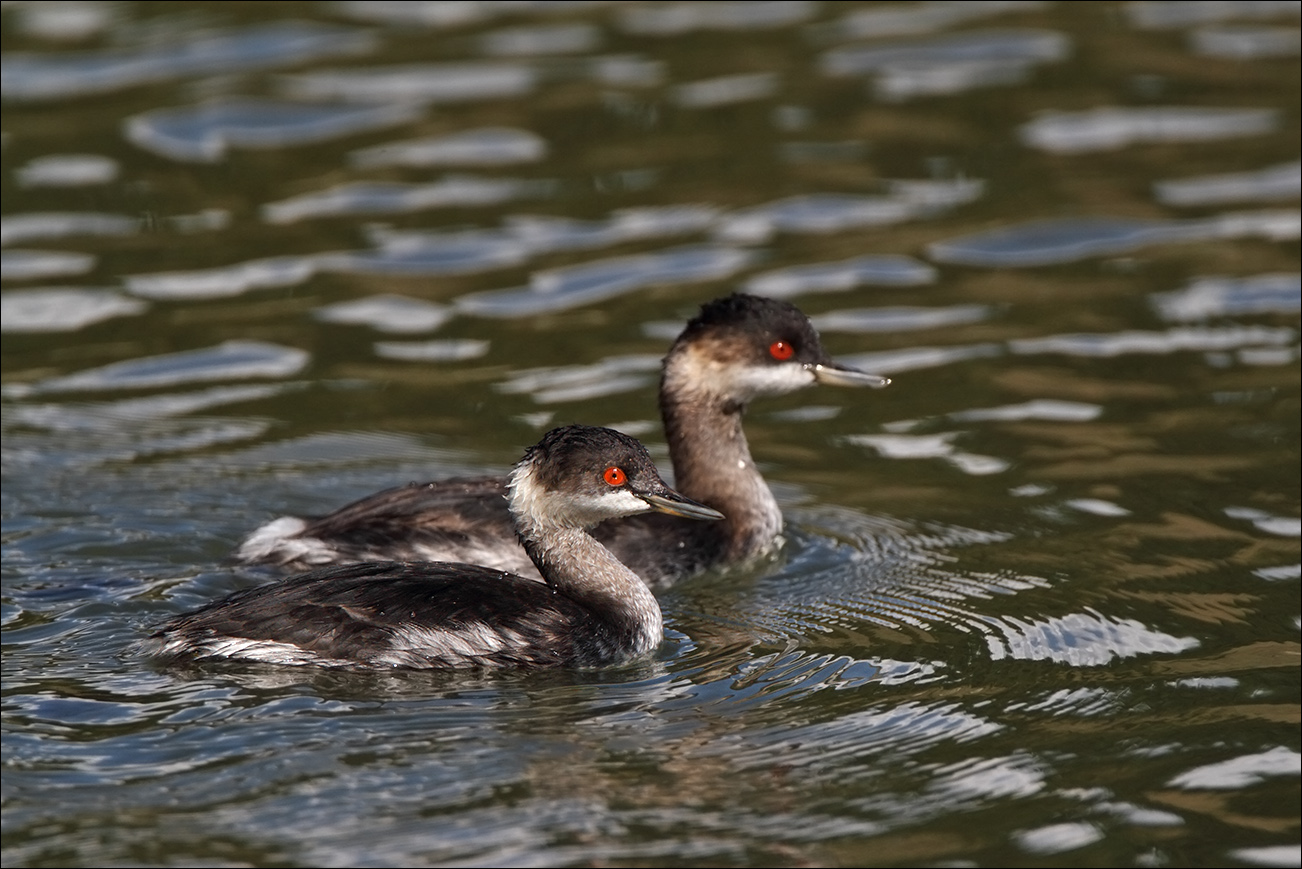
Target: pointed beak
x=675, y=504
x=831, y=374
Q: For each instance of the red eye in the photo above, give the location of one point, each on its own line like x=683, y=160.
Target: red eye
x=781, y=350
x=615, y=476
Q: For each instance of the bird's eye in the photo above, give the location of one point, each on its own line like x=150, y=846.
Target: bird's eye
x=615, y=476
x=781, y=350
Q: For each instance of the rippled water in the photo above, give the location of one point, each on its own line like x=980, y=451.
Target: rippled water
x=1038, y=602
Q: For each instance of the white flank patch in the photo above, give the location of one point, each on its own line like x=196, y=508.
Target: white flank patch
x=265, y=651
x=416, y=645
x=278, y=540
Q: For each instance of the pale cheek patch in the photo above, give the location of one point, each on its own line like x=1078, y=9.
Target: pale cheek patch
x=698, y=371
x=771, y=380
x=531, y=500
x=620, y=502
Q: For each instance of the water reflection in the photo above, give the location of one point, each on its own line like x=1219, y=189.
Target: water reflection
x=1241, y=771
x=948, y=64
x=892, y=21
x=222, y=282
x=1085, y=639
x=849, y=274
x=1108, y=128
x=487, y=146
x=578, y=382
x=675, y=19
x=395, y=197
x=415, y=85
x=207, y=132
x=1170, y=341
x=109, y=415
x=1044, y=408
x=68, y=170
x=60, y=309
x=29, y=76
x=541, y=39
x=1282, y=182
x=930, y=446
x=234, y=359
x=1183, y=13
x=387, y=313
x=913, y=358
x=559, y=289
x=829, y=213
x=725, y=90
x=34, y=265
x=900, y=319
x=1048, y=242
x=43, y=226
x=70, y=22
x=1211, y=297
x=447, y=350
x=1246, y=43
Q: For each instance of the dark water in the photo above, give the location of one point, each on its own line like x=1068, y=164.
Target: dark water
x=1039, y=600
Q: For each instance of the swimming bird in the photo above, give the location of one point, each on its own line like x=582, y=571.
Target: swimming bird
x=739, y=348
x=589, y=611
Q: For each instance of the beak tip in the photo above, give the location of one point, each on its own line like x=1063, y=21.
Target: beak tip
x=840, y=375
x=682, y=507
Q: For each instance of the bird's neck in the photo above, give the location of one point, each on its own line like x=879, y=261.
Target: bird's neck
x=576, y=565
x=713, y=464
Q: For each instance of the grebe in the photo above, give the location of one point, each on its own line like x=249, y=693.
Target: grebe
x=739, y=348
x=592, y=611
